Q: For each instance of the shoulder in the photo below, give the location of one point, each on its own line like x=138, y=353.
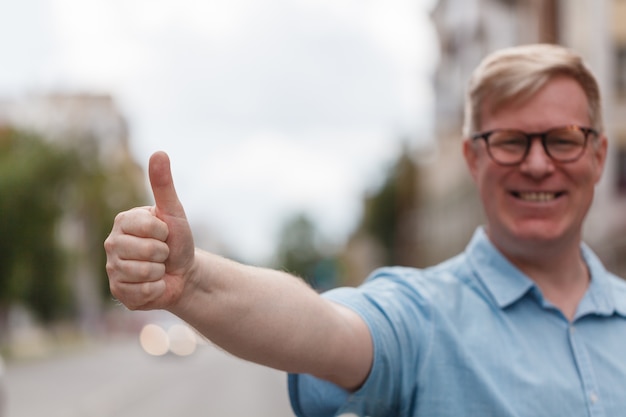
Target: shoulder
x=598, y=270
x=448, y=277
x=453, y=270
x=609, y=286
x=405, y=291
x=617, y=291
x=618, y=283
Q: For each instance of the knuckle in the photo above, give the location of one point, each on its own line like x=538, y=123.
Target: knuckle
x=146, y=290
x=120, y=217
x=109, y=244
x=116, y=291
x=134, y=222
x=110, y=268
x=113, y=269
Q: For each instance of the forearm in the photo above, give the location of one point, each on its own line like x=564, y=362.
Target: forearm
x=275, y=319
x=261, y=315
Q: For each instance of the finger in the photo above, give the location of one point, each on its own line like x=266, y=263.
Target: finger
x=132, y=271
x=128, y=247
x=137, y=296
x=165, y=197
x=140, y=222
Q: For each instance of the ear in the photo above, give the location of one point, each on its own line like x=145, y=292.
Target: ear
x=471, y=157
x=600, y=150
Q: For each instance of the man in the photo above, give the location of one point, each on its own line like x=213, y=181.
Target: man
x=525, y=322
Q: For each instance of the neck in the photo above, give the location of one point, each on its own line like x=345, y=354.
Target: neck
x=559, y=271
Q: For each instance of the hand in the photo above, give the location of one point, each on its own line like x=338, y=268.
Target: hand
x=150, y=251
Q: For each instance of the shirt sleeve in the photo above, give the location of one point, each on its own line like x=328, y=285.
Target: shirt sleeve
x=313, y=397
x=396, y=316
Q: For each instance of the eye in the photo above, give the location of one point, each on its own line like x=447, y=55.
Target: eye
x=565, y=139
x=562, y=142
x=508, y=140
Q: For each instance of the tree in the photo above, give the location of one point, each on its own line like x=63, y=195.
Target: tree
x=390, y=213
x=57, y=204
x=32, y=179
x=302, y=252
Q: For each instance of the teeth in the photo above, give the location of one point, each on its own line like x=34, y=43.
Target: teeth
x=533, y=196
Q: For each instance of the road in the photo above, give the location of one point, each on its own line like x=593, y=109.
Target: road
x=118, y=379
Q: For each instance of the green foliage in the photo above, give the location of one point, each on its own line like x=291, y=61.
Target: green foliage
x=389, y=212
x=32, y=178
x=301, y=252
x=42, y=186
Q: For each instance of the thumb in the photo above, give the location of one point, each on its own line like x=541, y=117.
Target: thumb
x=165, y=197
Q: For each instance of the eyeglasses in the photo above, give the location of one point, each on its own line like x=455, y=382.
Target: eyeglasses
x=510, y=147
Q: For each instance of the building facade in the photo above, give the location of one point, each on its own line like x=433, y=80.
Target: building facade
x=470, y=29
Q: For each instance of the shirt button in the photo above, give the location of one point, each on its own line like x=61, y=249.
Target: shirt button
x=593, y=397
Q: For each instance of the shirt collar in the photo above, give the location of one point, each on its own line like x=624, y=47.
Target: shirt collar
x=491, y=266
x=606, y=294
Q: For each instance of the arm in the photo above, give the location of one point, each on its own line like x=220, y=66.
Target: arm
x=258, y=314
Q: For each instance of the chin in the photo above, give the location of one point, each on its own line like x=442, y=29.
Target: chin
x=538, y=233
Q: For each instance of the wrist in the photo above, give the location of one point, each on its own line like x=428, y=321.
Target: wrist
x=195, y=284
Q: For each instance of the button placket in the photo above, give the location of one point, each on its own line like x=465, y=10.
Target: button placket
x=586, y=373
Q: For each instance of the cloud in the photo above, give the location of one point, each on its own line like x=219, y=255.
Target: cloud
x=265, y=107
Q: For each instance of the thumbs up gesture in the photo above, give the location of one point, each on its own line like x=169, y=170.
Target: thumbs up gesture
x=150, y=250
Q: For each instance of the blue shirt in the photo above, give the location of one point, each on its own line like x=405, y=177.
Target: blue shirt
x=474, y=336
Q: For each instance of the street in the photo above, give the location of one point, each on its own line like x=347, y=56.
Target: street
x=118, y=379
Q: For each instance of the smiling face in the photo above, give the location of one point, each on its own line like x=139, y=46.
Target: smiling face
x=539, y=203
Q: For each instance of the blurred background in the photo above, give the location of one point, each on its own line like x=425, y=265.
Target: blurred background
x=321, y=137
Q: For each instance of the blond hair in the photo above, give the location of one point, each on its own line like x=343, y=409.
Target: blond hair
x=515, y=74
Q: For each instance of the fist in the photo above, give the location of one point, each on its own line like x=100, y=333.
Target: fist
x=150, y=250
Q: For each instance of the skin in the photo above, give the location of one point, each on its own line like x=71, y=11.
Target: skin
x=541, y=237
x=261, y=315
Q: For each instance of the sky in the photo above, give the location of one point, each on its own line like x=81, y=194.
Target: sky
x=266, y=108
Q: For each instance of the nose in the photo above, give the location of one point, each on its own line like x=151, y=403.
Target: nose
x=537, y=163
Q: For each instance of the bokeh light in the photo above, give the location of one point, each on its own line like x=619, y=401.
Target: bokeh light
x=178, y=339
x=154, y=340
x=182, y=340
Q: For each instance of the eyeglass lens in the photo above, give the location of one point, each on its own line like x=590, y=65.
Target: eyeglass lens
x=510, y=146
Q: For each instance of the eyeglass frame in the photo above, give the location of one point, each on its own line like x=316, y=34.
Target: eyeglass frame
x=529, y=140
